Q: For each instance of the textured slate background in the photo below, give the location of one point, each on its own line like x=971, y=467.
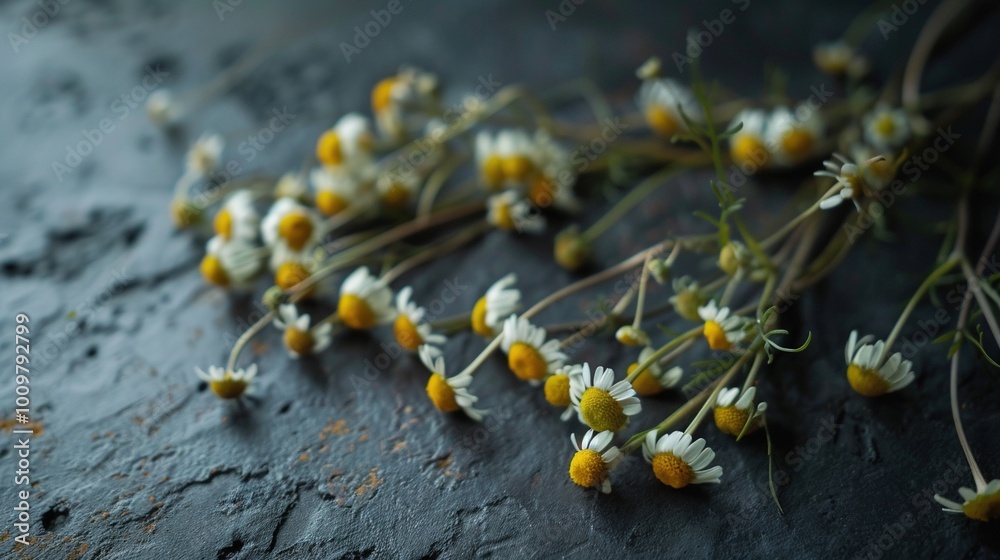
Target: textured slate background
x=136, y=460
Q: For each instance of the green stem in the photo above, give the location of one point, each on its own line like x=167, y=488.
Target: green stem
x=940, y=271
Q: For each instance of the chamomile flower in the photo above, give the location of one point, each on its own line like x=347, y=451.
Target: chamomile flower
x=291, y=230
x=981, y=506
x=678, y=462
x=348, y=142
x=162, y=108
x=529, y=355
x=748, y=146
x=687, y=297
x=410, y=329
x=631, y=336
x=365, y=301
x=203, y=157
x=594, y=460
x=340, y=188
x=839, y=58
x=292, y=272
x=848, y=177
x=733, y=410
x=557, y=387
x=396, y=191
x=230, y=264
x=510, y=211
x=237, y=218
x=886, y=128
x=448, y=393
x=292, y=185
x=864, y=373
x=661, y=102
x=551, y=182
x=877, y=170
x=499, y=302
x=602, y=403
x=791, y=137
x=299, y=339
x=722, y=330
x=229, y=384
x=654, y=379
x=504, y=159
x=392, y=97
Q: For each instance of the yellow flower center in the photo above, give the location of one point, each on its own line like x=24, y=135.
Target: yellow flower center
x=526, y=362
x=382, y=94
x=290, y=274
x=716, y=336
x=542, y=192
x=212, y=270
x=601, y=411
x=406, y=333
x=662, y=121
x=328, y=150
x=396, y=196
x=493, y=172
x=295, y=229
x=223, y=224
x=730, y=420
x=441, y=394
x=516, y=168
x=330, y=203
x=502, y=217
x=355, y=312
x=646, y=385
x=983, y=508
x=588, y=468
x=184, y=214
x=866, y=381
x=686, y=305
x=300, y=342
x=670, y=470
x=571, y=251
x=747, y=149
x=479, y=319
x=798, y=143
x=557, y=390
x=885, y=125
x=228, y=388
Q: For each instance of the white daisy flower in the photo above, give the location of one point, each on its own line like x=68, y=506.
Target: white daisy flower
x=981, y=506
x=722, y=330
x=838, y=58
x=748, y=146
x=396, y=102
x=864, y=373
x=397, y=190
x=848, y=177
x=886, y=128
x=299, y=339
x=229, y=384
x=237, y=218
x=339, y=188
x=291, y=230
x=687, y=297
x=602, y=403
x=529, y=355
x=659, y=100
x=410, y=329
x=734, y=409
x=448, y=393
x=877, y=170
x=365, y=301
x=677, y=461
x=499, y=302
x=291, y=185
x=793, y=140
x=631, y=336
x=510, y=211
x=654, y=379
x=551, y=183
x=203, y=157
x=504, y=160
x=557, y=388
x=349, y=142
x=231, y=264
x=594, y=460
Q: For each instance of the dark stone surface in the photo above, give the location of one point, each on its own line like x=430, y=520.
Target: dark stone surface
x=137, y=460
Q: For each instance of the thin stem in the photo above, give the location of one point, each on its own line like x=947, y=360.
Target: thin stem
x=912, y=304
x=718, y=385
x=652, y=359
x=246, y=336
x=641, y=301
x=454, y=242
x=635, y=196
x=434, y=184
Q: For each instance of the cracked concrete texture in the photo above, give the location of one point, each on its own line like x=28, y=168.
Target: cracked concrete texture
x=343, y=456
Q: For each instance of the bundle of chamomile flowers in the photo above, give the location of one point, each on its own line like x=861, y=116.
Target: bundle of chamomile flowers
x=362, y=194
